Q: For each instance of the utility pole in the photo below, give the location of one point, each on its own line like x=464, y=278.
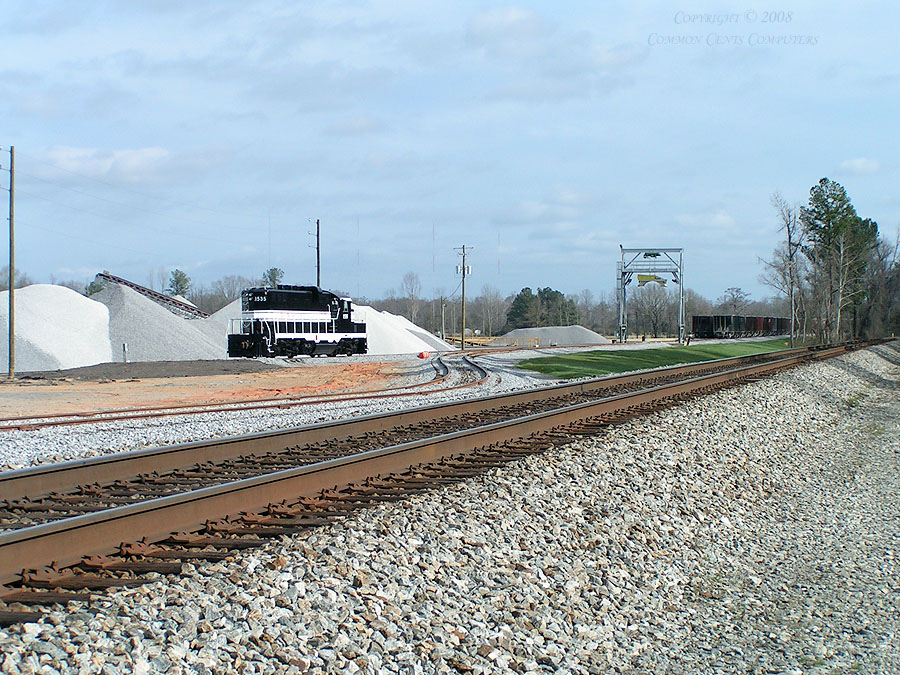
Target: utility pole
x=12, y=263
x=465, y=271
x=318, y=256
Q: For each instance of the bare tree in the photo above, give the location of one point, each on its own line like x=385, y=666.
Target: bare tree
x=410, y=287
x=734, y=301
x=230, y=287
x=438, y=307
x=162, y=277
x=494, y=308
x=694, y=303
x=790, y=223
x=77, y=286
x=777, y=275
x=22, y=279
x=651, y=306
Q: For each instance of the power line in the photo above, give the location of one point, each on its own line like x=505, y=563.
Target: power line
x=131, y=206
x=69, y=235
x=107, y=216
x=126, y=189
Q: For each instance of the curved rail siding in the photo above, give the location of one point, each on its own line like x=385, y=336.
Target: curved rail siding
x=442, y=370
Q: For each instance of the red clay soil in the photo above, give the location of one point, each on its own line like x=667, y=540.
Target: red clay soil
x=65, y=395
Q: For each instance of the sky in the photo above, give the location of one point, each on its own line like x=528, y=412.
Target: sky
x=211, y=135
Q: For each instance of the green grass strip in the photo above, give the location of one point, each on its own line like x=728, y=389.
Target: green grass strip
x=605, y=361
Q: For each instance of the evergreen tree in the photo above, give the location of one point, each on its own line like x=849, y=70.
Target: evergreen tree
x=525, y=310
x=548, y=307
x=179, y=283
x=272, y=277
x=839, y=247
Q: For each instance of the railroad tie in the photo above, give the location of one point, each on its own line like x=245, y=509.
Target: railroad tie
x=193, y=540
x=27, y=597
x=119, y=564
x=8, y=618
x=141, y=549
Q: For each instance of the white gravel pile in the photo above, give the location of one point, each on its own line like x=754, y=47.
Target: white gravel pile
x=755, y=530
x=56, y=327
x=217, y=325
x=550, y=336
x=389, y=334
x=152, y=332
x=434, y=342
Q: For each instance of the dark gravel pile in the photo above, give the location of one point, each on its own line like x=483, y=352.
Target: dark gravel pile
x=150, y=369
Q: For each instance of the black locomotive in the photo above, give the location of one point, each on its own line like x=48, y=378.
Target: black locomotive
x=293, y=320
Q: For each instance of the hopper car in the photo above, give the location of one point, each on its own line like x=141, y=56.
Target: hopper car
x=733, y=326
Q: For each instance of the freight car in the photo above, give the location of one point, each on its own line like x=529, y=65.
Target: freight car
x=733, y=326
x=292, y=320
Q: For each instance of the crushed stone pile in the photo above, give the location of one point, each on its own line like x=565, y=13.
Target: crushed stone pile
x=436, y=344
x=388, y=335
x=217, y=325
x=152, y=332
x=550, y=336
x=56, y=328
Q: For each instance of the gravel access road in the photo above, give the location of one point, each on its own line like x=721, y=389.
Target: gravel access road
x=752, y=531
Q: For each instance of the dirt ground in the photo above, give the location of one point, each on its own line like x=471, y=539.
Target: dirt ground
x=126, y=385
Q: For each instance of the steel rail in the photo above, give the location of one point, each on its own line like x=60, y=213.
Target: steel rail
x=50, y=478
x=155, y=519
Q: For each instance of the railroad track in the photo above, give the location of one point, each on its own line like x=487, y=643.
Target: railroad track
x=110, y=521
x=469, y=373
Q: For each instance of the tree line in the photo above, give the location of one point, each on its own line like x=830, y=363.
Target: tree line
x=841, y=277
x=834, y=274
x=652, y=310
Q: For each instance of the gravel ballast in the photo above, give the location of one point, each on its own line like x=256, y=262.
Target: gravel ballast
x=755, y=530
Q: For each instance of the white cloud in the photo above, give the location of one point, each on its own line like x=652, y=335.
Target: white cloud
x=861, y=166
x=718, y=222
x=356, y=125
x=564, y=209
x=118, y=166
x=508, y=32
x=546, y=63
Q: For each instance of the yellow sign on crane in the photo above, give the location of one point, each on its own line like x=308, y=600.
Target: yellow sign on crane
x=644, y=279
